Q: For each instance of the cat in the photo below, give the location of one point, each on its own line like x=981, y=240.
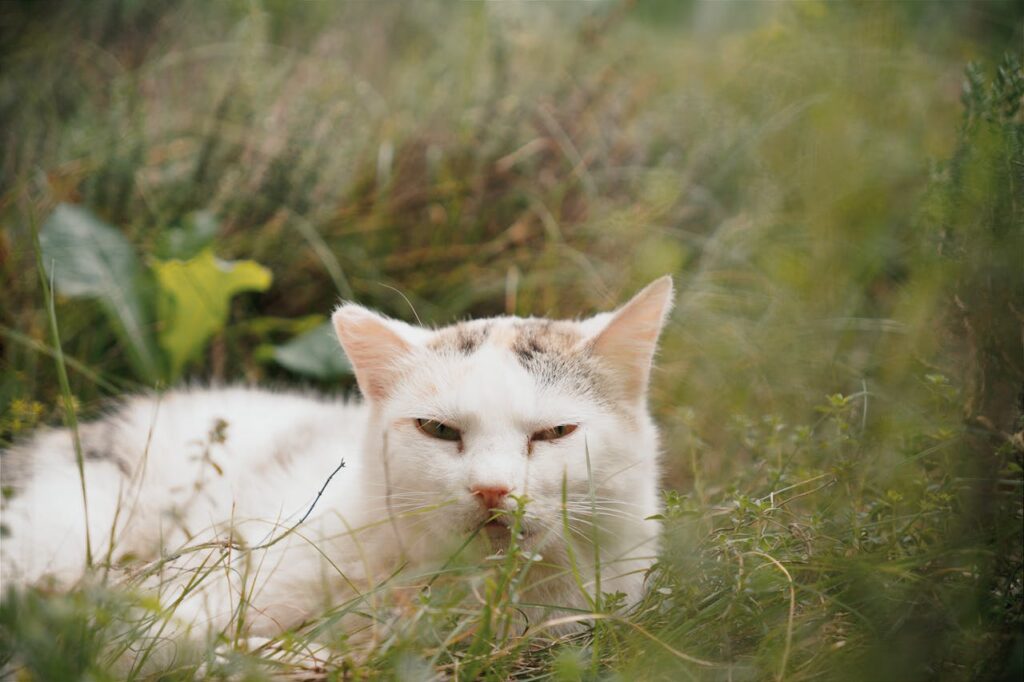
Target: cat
x=495, y=426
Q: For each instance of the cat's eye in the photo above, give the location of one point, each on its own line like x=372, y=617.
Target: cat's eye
x=439, y=430
x=554, y=432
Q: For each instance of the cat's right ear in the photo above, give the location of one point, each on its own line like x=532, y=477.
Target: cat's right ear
x=375, y=345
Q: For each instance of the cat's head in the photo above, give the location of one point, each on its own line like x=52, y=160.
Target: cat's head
x=476, y=414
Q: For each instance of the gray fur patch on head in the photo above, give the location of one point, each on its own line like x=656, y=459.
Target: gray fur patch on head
x=535, y=339
x=552, y=351
x=464, y=338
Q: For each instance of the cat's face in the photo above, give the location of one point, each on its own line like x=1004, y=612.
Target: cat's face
x=472, y=420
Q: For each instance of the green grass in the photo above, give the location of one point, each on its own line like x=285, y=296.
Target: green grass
x=837, y=193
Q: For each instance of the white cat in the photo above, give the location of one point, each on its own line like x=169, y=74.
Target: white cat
x=245, y=488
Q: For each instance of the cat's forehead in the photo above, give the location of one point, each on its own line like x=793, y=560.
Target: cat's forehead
x=553, y=351
x=522, y=336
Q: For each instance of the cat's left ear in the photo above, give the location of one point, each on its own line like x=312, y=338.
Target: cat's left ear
x=627, y=338
x=376, y=346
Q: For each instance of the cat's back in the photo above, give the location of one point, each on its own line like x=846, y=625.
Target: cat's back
x=246, y=425
x=260, y=443
x=195, y=455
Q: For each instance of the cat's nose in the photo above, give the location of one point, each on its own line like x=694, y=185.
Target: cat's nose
x=491, y=496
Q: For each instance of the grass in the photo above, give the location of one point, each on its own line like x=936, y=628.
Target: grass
x=835, y=190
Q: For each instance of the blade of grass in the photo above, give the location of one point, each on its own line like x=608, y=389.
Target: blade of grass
x=70, y=416
x=595, y=647
x=324, y=253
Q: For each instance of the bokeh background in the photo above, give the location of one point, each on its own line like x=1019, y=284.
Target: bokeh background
x=836, y=187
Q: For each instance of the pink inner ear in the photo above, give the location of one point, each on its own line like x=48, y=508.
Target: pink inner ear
x=373, y=347
x=627, y=343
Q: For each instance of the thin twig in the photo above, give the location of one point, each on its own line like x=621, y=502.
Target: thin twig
x=305, y=516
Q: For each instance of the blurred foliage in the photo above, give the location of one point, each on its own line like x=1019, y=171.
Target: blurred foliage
x=314, y=354
x=86, y=258
x=836, y=186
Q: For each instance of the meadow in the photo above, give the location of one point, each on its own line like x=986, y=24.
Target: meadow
x=837, y=189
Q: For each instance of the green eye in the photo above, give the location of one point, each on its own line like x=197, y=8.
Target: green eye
x=554, y=433
x=436, y=429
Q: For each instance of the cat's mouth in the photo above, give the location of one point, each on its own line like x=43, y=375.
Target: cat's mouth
x=498, y=524
x=499, y=529
x=499, y=533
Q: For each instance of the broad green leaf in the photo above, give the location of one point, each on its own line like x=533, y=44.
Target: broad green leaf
x=86, y=257
x=195, y=234
x=315, y=354
x=194, y=300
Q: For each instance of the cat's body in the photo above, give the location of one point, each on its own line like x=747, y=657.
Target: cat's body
x=459, y=427
x=187, y=467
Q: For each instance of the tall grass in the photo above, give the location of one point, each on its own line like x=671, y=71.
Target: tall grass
x=837, y=194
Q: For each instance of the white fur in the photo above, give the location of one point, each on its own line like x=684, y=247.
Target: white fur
x=162, y=480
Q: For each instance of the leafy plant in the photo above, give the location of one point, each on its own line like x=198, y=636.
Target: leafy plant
x=193, y=301
x=315, y=354
x=87, y=258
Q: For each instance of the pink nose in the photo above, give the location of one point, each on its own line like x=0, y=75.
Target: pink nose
x=490, y=495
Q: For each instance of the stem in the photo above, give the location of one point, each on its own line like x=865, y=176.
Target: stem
x=70, y=417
